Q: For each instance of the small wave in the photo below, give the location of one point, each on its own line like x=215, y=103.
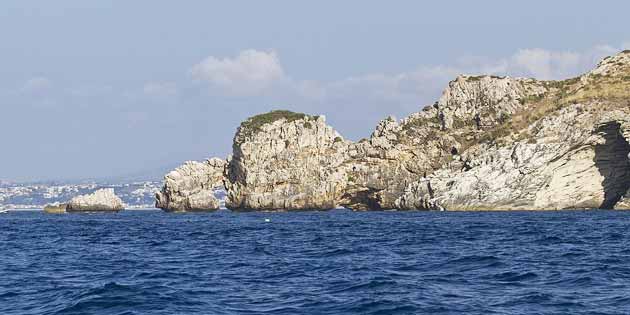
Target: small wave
x=336, y=253
x=196, y=233
x=111, y=296
x=9, y=294
x=535, y=298
x=377, y=306
x=473, y=262
x=549, y=240
x=511, y=276
x=573, y=254
x=366, y=285
x=474, y=259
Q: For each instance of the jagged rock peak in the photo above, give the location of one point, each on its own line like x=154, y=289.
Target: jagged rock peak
x=481, y=101
x=617, y=65
x=191, y=186
x=386, y=126
x=100, y=200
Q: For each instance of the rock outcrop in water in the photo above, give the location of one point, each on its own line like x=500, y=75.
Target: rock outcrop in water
x=58, y=208
x=100, y=200
x=489, y=143
x=285, y=160
x=191, y=186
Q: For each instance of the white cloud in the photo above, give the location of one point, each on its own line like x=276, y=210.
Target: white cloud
x=547, y=65
x=402, y=93
x=260, y=74
x=250, y=72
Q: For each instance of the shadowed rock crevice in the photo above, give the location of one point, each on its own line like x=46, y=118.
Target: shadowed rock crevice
x=611, y=160
x=361, y=200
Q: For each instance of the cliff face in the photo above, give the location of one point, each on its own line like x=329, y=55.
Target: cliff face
x=576, y=159
x=566, y=148
x=399, y=154
x=191, y=186
x=284, y=160
x=488, y=143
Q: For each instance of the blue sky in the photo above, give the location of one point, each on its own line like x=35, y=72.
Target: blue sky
x=92, y=89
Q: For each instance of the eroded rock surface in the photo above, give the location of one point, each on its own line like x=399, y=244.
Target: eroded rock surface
x=100, y=200
x=400, y=154
x=191, y=186
x=579, y=160
x=567, y=148
x=285, y=161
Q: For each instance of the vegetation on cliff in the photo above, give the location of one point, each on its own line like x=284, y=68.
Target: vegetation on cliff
x=254, y=124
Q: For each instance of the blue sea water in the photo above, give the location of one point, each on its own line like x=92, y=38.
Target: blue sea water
x=336, y=262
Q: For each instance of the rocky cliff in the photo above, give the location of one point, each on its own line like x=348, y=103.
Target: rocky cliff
x=191, y=186
x=564, y=148
x=494, y=143
x=100, y=200
x=285, y=160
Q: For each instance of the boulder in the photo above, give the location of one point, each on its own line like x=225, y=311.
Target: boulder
x=191, y=187
x=100, y=200
x=55, y=208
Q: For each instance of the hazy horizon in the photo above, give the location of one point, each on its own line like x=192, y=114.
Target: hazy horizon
x=108, y=89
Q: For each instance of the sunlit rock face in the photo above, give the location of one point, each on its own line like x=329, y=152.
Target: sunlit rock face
x=575, y=159
x=191, y=186
x=390, y=166
x=100, y=200
x=285, y=161
x=564, y=148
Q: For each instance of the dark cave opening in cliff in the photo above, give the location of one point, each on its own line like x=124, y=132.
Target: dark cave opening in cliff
x=611, y=159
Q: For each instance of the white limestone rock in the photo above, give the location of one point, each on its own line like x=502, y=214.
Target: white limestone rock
x=574, y=156
x=579, y=160
x=100, y=200
x=285, y=161
x=191, y=186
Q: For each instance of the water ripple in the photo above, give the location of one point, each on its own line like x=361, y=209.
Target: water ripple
x=337, y=262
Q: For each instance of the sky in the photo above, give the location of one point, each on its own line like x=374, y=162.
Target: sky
x=109, y=89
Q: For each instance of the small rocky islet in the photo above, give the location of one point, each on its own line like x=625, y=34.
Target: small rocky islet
x=489, y=143
x=102, y=200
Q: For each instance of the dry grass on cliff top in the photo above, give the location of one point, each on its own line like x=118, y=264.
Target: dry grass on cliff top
x=614, y=89
x=253, y=124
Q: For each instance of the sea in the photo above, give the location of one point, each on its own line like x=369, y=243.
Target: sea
x=331, y=262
